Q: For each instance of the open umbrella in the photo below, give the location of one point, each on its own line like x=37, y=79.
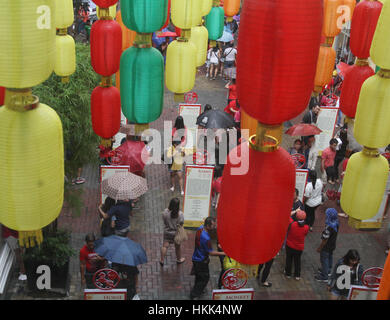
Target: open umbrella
x=132, y=153
x=166, y=34
x=303, y=129
x=215, y=119
x=124, y=185
x=121, y=250
x=342, y=69
x=226, y=37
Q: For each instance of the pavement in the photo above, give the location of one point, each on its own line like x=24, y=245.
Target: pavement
x=174, y=282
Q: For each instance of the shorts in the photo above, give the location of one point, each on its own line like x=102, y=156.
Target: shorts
x=214, y=63
x=229, y=64
x=12, y=242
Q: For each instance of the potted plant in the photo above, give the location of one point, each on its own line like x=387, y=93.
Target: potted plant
x=55, y=252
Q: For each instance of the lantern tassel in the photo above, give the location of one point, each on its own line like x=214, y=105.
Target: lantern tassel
x=28, y=239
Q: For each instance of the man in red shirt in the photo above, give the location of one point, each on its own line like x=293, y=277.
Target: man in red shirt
x=90, y=261
x=327, y=162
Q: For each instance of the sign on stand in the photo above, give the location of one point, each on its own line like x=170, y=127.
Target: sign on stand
x=240, y=294
x=108, y=171
x=190, y=112
x=362, y=293
x=301, y=181
x=326, y=121
x=113, y=294
x=197, y=194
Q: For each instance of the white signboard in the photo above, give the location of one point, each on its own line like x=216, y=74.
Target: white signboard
x=240, y=294
x=362, y=293
x=113, y=294
x=106, y=172
x=197, y=194
x=190, y=112
x=300, y=181
x=326, y=121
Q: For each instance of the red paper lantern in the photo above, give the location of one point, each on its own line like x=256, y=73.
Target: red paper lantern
x=353, y=81
x=254, y=209
x=277, y=69
x=105, y=3
x=168, y=16
x=363, y=25
x=106, y=46
x=106, y=111
x=2, y=95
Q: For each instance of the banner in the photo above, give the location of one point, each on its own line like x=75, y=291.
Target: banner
x=190, y=112
x=301, y=181
x=113, y=294
x=326, y=121
x=197, y=194
x=106, y=172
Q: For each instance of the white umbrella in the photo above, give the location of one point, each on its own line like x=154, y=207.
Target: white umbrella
x=124, y=185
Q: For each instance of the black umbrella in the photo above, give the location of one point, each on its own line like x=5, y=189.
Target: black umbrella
x=215, y=119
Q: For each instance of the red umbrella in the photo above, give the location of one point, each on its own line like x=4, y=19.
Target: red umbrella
x=132, y=153
x=303, y=129
x=342, y=69
x=166, y=34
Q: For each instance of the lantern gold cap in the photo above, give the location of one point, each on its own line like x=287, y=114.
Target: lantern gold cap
x=370, y=152
x=21, y=100
x=106, y=81
x=104, y=14
x=143, y=40
x=178, y=97
x=383, y=73
x=361, y=62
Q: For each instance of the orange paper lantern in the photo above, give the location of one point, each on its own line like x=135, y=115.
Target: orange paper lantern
x=325, y=67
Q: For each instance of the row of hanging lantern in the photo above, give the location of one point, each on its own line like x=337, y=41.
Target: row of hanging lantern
x=273, y=86
x=65, y=63
x=31, y=138
x=333, y=21
x=363, y=25
x=367, y=171
x=142, y=66
x=106, y=49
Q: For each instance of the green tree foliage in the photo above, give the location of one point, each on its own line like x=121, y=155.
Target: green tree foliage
x=72, y=103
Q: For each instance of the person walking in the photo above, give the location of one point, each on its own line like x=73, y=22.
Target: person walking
x=328, y=244
x=177, y=154
x=173, y=217
x=295, y=244
x=232, y=86
x=327, y=162
x=120, y=214
x=106, y=226
x=311, y=116
x=312, y=197
x=348, y=266
x=179, y=131
x=267, y=268
x=213, y=56
x=200, y=258
x=229, y=55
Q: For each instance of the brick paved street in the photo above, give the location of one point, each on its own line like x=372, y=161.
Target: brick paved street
x=174, y=281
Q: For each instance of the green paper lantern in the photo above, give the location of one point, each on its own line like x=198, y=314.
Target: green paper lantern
x=144, y=16
x=215, y=23
x=142, y=84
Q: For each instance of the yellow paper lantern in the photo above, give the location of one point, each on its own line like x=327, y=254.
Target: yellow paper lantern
x=206, y=7
x=372, y=120
x=180, y=67
x=27, y=54
x=380, y=46
x=32, y=168
x=65, y=56
x=200, y=38
x=364, y=184
x=186, y=14
x=112, y=12
x=64, y=14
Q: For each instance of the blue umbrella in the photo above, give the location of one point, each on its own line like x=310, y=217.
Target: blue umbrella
x=226, y=37
x=121, y=250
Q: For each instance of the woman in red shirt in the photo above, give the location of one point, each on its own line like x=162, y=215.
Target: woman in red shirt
x=232, y=90
x=295, y=244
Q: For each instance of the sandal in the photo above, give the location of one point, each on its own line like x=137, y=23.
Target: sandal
x=267, y=284
x=181, y=260
x=80, y=180
x=161, y=263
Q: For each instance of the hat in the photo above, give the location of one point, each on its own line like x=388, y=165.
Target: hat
x=334, y=73
x=301, y=215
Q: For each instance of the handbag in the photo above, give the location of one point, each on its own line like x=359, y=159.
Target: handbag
x=181, y=235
